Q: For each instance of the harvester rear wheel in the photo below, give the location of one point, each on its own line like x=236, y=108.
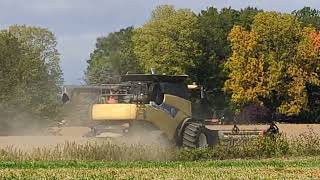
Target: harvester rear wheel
x=195, y=135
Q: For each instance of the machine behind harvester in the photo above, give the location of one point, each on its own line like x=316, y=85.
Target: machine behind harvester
x=147, y=102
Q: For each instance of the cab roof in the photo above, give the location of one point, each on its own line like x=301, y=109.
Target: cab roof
x=154, y=78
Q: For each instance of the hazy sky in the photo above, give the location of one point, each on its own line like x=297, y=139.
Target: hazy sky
x=77, y=23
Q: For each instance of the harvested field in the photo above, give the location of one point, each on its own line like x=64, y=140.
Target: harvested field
x=68, y=134
x=29, y=142
x=75, y=134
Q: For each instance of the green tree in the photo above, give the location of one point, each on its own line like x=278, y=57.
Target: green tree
x=43, y=85
x=112, y=57
x=167, y=42
x=25, y=85
x=11, y=55
x=308, y=16
x=30, y=76
x=44, y=42
x=214, y=29
x=246, y=17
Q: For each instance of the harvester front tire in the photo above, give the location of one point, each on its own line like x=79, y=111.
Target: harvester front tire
x=196, y=135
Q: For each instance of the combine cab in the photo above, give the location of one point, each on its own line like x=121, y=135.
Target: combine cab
x=143, y=103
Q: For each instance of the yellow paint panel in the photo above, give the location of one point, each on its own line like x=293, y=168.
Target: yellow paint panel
x=164, y=121
x=180, y=103
x=113, y=112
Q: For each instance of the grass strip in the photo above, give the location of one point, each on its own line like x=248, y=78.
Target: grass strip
x=162, y=173
x=272, y=163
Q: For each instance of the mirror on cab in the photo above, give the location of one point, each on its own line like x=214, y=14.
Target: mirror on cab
x=197, y=88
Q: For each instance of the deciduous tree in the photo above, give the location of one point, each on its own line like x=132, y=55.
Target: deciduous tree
x=167, y=41
x=112, y=57
x=272, y=64
x=30, y=74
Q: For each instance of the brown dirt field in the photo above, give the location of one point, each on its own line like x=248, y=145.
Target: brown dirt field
x=66, y=134
x=71, y=131
x=74, y=134
x=30, y=142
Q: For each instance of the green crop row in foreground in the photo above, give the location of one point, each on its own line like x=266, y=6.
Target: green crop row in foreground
x=226, y=169
x=302, y=162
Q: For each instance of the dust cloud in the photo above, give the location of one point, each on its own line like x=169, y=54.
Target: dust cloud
x=26, y=132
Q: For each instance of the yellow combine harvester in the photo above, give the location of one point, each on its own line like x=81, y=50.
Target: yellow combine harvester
x=147, y=102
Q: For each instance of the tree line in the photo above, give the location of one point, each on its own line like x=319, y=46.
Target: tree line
x=30, y=76
x=264, y=64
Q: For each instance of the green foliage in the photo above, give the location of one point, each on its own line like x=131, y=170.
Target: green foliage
x=29, y=75
x=112, y=57
x=214, y=29
x=236, y=169
x=44, y=42
x=307, y=144
x=260, y=147
x=244, y=163
x=308, y=17
x=167, y=42
x=11, y=52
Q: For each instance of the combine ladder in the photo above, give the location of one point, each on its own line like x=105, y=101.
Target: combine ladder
x=141, y=112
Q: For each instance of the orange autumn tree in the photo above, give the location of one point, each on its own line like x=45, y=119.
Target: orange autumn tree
x=315, y=36
x=303, y=70
x=272, y=64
